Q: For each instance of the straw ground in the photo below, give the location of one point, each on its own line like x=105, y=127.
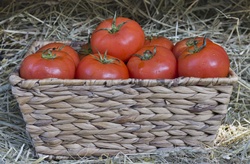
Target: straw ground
x=225, y=22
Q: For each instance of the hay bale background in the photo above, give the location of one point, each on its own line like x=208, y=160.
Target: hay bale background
x=225, y=22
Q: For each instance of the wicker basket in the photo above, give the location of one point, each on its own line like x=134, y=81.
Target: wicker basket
x=75, y=118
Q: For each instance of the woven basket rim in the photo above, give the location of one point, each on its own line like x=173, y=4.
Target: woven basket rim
x=15, y=79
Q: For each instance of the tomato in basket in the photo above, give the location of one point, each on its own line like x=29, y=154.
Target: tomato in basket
x=120, y=37
x=159, y=41
x=48, y=64
x=101, y=66
x=62, y=47
x=204, y=60
x=153, y=62
x=183, y=44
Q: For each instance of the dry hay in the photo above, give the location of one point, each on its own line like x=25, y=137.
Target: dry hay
x=225, y=22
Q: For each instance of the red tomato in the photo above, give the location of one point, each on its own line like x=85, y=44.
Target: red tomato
x=120, y=37
x=206, y=60
x=152, y=62
x=101, y=66
x=159, y=41
x=62, y=47
x=48, y=64
x=180, y=46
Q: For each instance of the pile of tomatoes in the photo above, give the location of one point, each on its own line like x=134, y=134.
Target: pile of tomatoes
x=119, y=49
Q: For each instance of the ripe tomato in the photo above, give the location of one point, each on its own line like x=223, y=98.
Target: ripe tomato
x=120, y=37
x=152, y=62
x=62, y=47
x=180, y=46
x=204, y=60
x=101, y=66
x=159, y=41
x=48, y=64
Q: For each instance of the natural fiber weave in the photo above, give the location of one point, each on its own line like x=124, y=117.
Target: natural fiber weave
x=94, y=117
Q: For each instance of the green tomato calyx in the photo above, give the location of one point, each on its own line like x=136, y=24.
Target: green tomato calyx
x=115, y=28
x=104, y=59
x=47, y=54
x=196, y=48
x=147, y=55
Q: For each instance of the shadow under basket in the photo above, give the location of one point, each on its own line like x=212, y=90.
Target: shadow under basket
x=76, y=118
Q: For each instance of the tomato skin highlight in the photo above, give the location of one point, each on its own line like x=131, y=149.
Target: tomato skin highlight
x=91, y=68
x=35, y=66
x=122, y=43
x=162, y=65
x=183, y=44
x=211, y=61
x=62, y=47
x=159, y=41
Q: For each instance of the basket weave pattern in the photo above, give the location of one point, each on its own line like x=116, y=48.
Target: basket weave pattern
x=94, y=117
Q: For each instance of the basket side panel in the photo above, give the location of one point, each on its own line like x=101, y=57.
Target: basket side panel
x=84, y=121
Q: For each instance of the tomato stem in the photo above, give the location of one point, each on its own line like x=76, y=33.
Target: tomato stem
x=147, y=55
x=196, y=48
x=47, y=54
x=115, y=28
x=204, y=43
x=104, y=59
x=192, y=42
